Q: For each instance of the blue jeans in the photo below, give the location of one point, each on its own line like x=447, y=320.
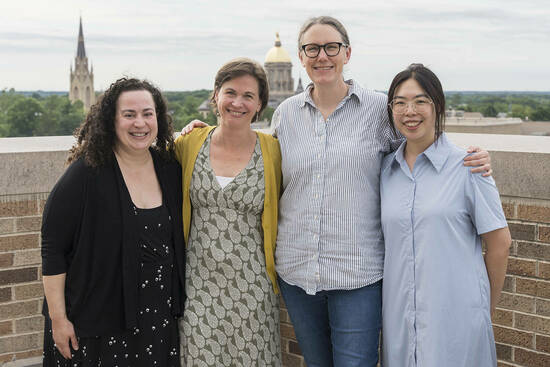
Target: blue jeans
x=338, y=328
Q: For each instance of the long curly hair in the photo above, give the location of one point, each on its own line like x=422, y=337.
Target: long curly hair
x=96, y=136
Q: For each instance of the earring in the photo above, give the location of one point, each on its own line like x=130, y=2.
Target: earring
x=256, y=116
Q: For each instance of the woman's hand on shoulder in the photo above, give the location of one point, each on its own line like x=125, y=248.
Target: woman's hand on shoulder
x=193, y=124
x=63, y=334
x=480, y=161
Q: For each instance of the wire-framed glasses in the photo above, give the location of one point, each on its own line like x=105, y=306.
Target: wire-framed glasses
x=419, y=105
x=331, y=49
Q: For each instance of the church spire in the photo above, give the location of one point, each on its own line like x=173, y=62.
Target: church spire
x=81, y=51
x=81, y=78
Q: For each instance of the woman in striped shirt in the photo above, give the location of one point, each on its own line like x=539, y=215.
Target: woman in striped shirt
x=330, y=248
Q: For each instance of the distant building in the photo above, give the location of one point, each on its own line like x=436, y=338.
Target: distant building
x=278, y=67
x=473, y=115
x=458, y=121
x=204, y=108
x=82, y=79
x=454, y=113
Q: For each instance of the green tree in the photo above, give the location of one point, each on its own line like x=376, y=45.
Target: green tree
x=489, y=111
x=49, y=122
x=267, y=115
x=541, y=113
x=23, y=117
x=71, y=116
x=518, y=110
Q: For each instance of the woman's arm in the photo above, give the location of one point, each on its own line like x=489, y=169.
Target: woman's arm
x=480, y=161
x=61, y=218
x=496, y=259
x=190, y=126
x=62, y=328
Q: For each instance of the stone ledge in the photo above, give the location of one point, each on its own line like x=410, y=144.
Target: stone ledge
x=521, y=164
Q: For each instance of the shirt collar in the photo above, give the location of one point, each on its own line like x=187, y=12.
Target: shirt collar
x=437, y=153
x=398, y=158
x=353, y=90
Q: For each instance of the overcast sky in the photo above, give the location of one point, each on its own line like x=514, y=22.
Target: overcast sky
x=179, y=45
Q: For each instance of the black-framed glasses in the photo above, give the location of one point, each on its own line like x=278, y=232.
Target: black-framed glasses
x=419, y=105
x=331, y=49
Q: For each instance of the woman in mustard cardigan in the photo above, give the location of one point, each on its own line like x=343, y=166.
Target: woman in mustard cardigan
x=231, y=183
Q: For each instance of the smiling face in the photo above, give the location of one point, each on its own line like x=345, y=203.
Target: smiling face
x=238, y=100
x=417, y=126
x=324, y=69
x=135, y=121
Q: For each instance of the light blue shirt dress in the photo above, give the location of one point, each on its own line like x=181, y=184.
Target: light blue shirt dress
x=436, y=292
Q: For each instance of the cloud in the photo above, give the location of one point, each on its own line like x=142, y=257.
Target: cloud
x=180, y=44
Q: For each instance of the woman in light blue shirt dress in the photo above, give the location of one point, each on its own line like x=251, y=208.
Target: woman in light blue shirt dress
x=439, y=289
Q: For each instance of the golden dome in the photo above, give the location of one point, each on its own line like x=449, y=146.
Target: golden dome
x=277, y=53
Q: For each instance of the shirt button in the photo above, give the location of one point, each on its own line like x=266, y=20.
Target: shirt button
x=316, y=217
x=318, y=176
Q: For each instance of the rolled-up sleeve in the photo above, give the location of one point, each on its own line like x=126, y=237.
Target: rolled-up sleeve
x=61, y=218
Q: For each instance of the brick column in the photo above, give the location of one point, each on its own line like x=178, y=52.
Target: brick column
x=21, y=291
x=522, y=320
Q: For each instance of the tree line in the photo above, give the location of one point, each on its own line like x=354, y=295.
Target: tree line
x=39, y=115
x=527, y=106
x=36, y=115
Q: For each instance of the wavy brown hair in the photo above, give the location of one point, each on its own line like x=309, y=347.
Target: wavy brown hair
x=96, y=136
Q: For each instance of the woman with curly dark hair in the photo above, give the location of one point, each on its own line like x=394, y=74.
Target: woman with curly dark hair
x=112, y=244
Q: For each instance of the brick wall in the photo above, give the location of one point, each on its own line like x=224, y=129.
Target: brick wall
x=292, y=356
x=522, y=320
x=21, y=323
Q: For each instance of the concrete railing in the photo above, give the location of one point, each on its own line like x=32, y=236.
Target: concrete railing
x=29, y=167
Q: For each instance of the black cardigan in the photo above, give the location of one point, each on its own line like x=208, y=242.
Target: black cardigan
x=89, y=233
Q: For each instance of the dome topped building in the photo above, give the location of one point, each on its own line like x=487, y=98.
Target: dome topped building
x=279, y=73
x=277, y=53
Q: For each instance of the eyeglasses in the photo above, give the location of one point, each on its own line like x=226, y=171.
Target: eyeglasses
x=419, y=105
x=331, y=49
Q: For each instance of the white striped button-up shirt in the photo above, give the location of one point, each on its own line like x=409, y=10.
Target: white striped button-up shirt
x=329, y=233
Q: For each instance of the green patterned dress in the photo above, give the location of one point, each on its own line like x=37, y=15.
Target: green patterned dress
x=231, y=313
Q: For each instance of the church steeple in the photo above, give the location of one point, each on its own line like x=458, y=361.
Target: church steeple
x=80, y=51
x=82, y=78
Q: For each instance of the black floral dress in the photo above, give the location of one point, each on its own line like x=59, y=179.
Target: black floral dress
x=155, y=342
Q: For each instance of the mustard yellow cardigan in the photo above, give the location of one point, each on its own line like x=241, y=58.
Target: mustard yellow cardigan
x=187, y=150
